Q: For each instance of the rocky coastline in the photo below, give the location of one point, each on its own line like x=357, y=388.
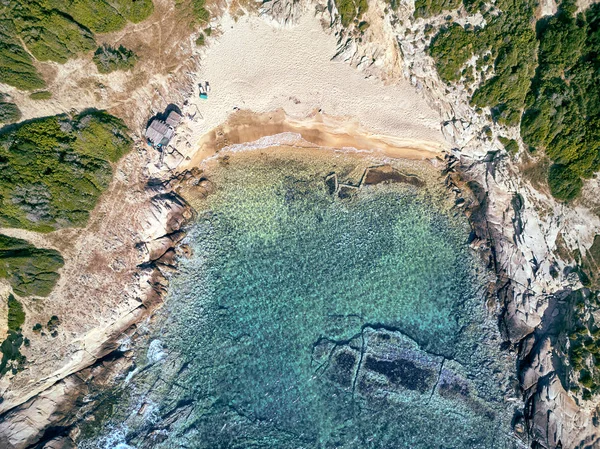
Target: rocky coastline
x=516, y=228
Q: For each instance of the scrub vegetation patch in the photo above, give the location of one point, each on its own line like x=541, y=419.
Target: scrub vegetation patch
x=53, y=169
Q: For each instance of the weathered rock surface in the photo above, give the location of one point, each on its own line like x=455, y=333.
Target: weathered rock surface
x=39, y=411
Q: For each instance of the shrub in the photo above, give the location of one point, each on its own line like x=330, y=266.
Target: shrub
x=53, y=169
x=201, y=14
x=585, y=378
x=9, y=112
x=109, y=59
x=11, y=354
x=511, y=145
x=53, y=323
x=16, y=314
x=451, y=48
x=41, y=95
x=200, y=40
x=350, y=10
x=56, y=30
x=29, y=270
x=16, y=65
x=427, y=8
x=548, y=83
x=564, y=183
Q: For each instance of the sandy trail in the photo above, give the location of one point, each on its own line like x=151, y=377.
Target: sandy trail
x=288, y=78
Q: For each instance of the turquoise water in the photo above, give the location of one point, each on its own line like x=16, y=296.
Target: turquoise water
x=304, y=320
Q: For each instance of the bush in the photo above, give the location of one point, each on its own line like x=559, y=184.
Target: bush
x=585, y=378
x=427, y=8
x=53, y=323
x=451, y=48
x=11, y=354
x=200, y=40
x=109, y=59
x=41, y=95
x=201, y=14
x=350, y=10
x=9, y=112
x=16, y=315
x=53, y=170
x=16, y=65
x=564, y=183
x=510, y=145
x=56, y=30
x=548, y=83
x=30, y=271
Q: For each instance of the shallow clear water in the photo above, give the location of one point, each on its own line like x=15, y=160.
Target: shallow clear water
x=303, y=320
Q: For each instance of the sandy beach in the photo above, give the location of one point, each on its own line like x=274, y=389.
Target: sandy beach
x=302, y=91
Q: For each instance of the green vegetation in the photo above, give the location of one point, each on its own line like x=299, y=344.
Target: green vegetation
x=510, y=145
x=56, y=30
x=109, y=59
x=544, y=77
x=16, y=65
x=16, y=314
x=41, y=95
x=12, y=359
x=29, y=270
x=10, y=347
x=564, y=183
x=201, y=14
x=451, y=48
x=584, y=347
x=350, y=10
x=194, y=13
x=9, y=112
x=563, y=110
x=427, y=8
x=53, y=323
x=200, y=40
x=52, y=170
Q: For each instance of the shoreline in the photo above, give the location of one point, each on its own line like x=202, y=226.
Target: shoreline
x=401, y=112
x=318, y=130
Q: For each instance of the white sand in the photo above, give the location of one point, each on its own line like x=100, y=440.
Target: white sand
x=258, y=67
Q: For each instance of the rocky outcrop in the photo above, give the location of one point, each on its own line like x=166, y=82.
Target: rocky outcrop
x=44, y=412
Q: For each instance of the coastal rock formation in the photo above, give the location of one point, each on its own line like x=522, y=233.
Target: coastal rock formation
x=40, y=411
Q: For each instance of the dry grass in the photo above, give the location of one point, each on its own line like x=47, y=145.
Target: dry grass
x=535, y=170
